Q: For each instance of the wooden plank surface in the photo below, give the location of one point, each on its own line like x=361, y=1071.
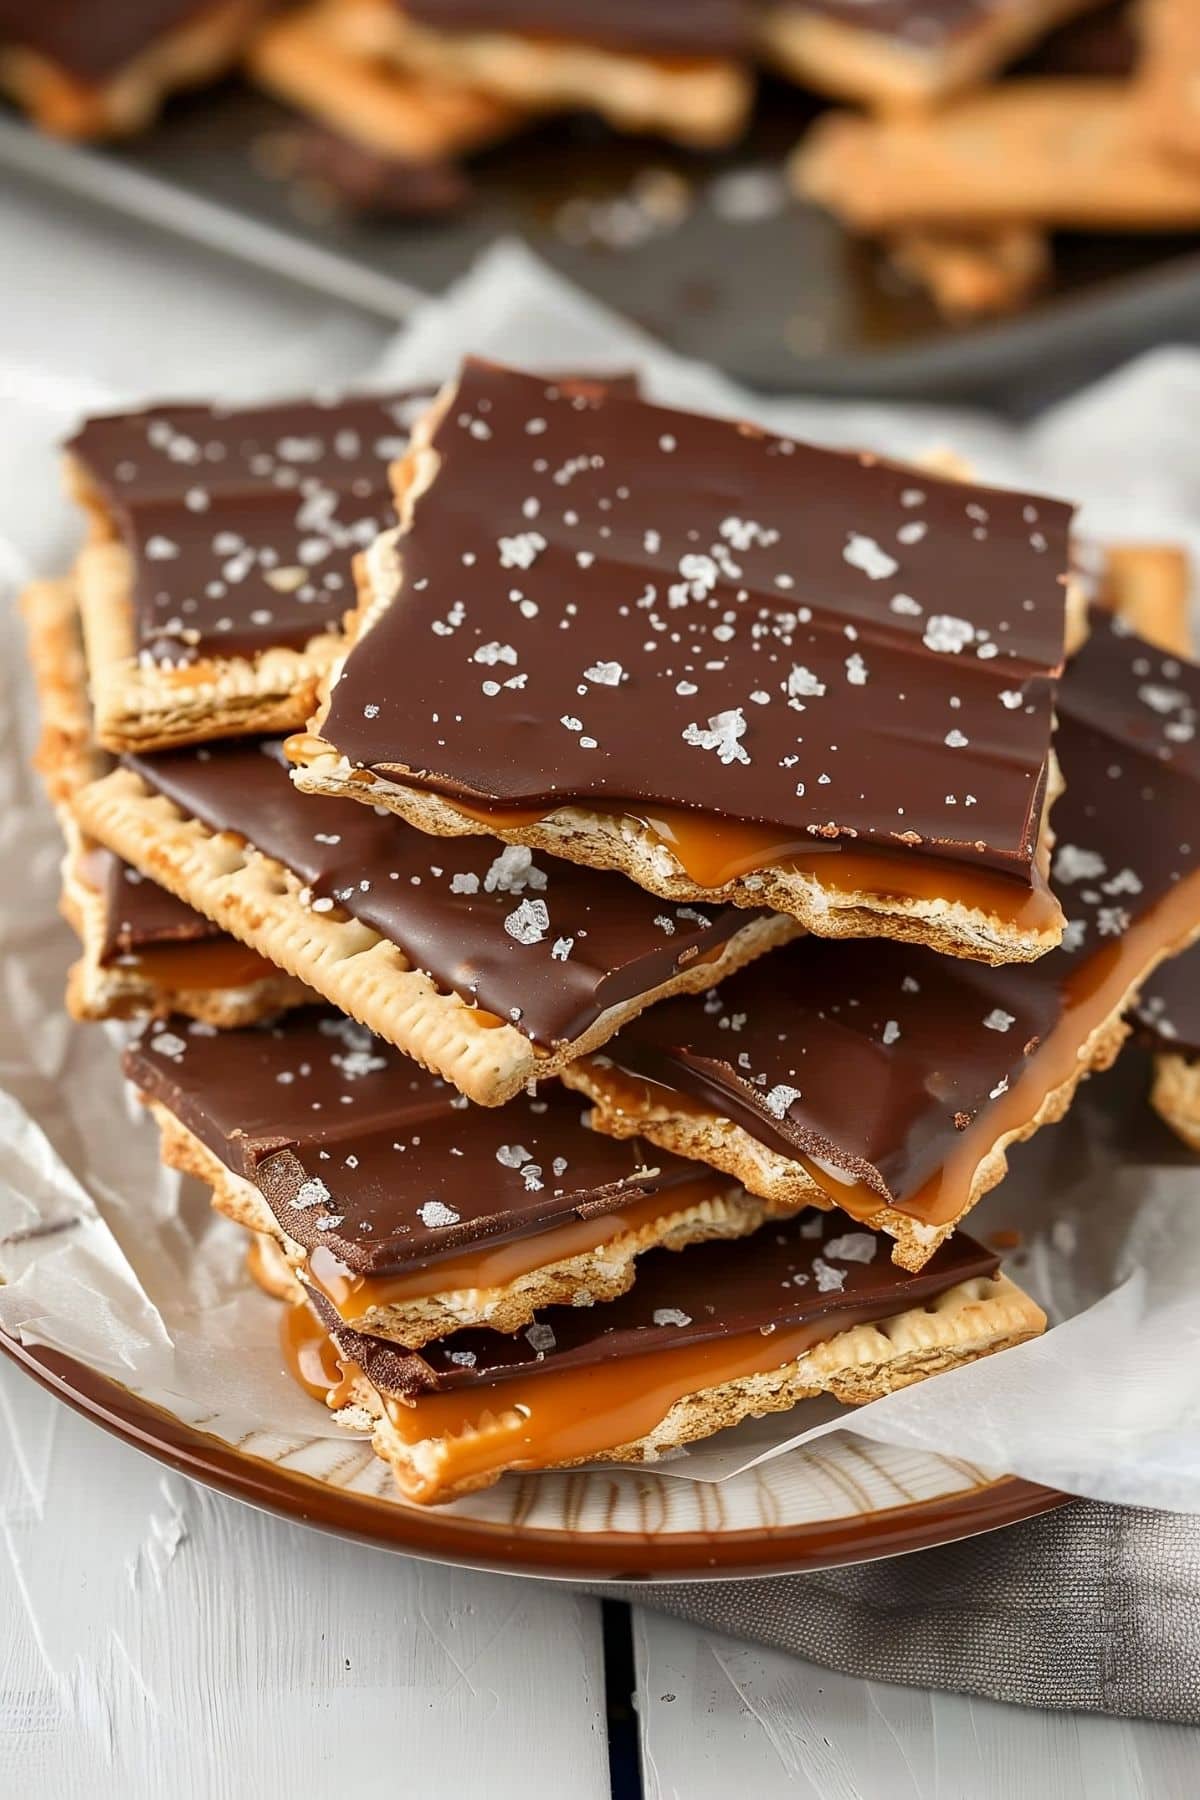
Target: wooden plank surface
x=720, y=1718
x=160, y=1640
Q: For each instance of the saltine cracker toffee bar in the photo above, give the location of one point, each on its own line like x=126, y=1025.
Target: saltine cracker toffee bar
x=416, y=122
x=732, y=666
x=904, y=54
x=101, y=68
x=220, y=563
x=409, y=1211
x=708, y=1337
x=491, y=966
x=676, y=70
x=1167, y=1020
x=143, y=950
x=765, y=1079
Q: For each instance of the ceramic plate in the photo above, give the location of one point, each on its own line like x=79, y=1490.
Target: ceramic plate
x=837, y=1500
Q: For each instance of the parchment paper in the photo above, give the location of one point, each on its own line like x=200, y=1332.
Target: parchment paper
x=109, y=1258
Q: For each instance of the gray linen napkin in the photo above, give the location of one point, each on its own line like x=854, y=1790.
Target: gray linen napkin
x=1094, y=1608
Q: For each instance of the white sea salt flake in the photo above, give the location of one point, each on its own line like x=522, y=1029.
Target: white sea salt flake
x=725, y=729
x=955, y=740
x=540, y=1337
x=464, y=883
x=513, y=871
x=606, y=674
x=780, y=1098
x=854, y=1247
x=947, y=635
x=670, y=1315
x=435, y=1213
x=864, y=553
x=529, y=923
x=522, y=550
x=165, y=1043
x=803, y=684
x=491, y=654
x=999, y=1020
x=511, y=1156
x=562, y=948
x=1073, y=864
x=313, y=1192
x=856, y=670
x=829, y=1280
x=891, y=1031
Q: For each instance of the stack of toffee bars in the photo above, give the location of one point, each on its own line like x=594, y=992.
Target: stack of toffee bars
x=603, y=887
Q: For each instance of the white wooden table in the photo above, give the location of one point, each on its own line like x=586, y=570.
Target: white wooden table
x=161, y=1641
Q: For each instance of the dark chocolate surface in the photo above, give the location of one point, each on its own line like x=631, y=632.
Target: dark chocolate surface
x=678, y=28
x=616, y=602
x=535, y=941
x=138, y=914
x=1167, y=1014
x=817, y=1270
x=874, y=1056
x=357, y=1149
x=243, y=523
x=915, y=24
x=93, y=39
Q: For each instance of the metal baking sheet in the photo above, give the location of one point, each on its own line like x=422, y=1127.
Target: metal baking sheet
x=708, y=252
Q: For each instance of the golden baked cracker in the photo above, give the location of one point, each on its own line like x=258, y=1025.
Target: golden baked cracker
x=974, y=275
x=1175, y=1096
x=260, y=901
x=1168, y=77
x=66, y=757
x=699, y=101
x=1149, y=585
x=852, y=60
x=1059, y=153
x=63, y=103
x=973, y=1319
x=140, y=705
x=414, y=118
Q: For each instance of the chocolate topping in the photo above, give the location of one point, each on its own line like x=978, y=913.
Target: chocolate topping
x=356, y=1149
x=605, y=600
x=1167, y=1014
x=536, y=942
x=695, y=28
x=817, y=1270
x=243, y=524
x=94, y=39
x=139, y=915
x=917, y=24
x=872, y=1057
x=1100, y=44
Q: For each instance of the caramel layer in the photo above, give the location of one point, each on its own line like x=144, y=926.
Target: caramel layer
x=311, y=1358
x=212, y=963
x=713, y=851
x=354, y=1297
x=1093, y=993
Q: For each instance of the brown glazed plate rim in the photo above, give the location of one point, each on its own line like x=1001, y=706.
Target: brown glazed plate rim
x=440, y=1536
